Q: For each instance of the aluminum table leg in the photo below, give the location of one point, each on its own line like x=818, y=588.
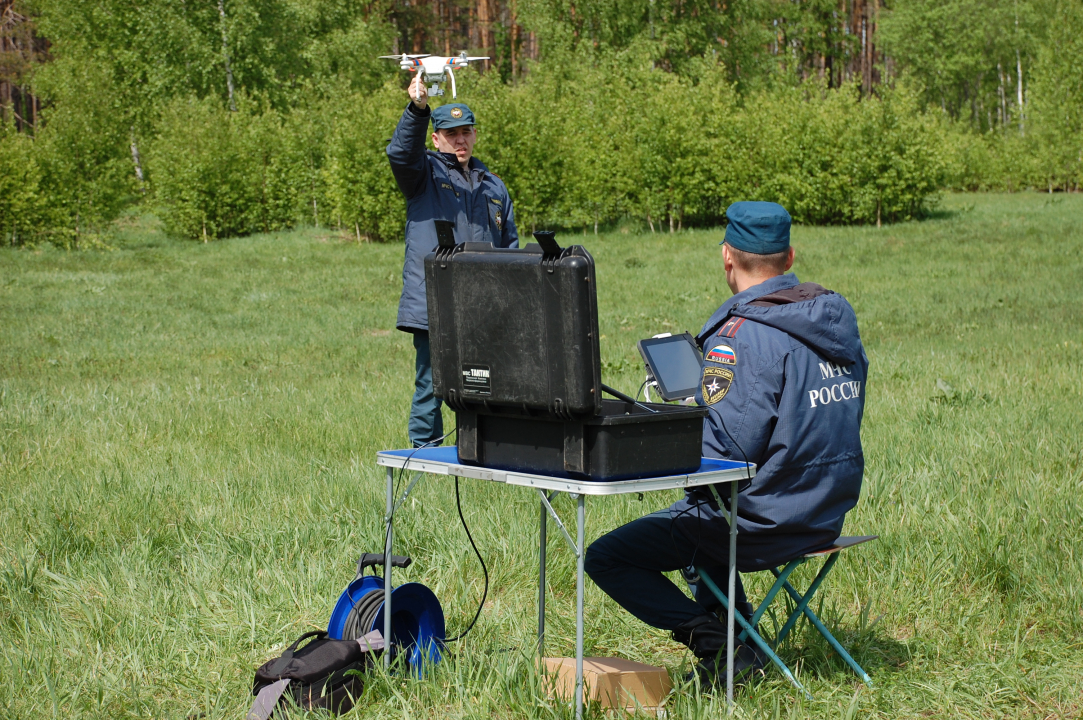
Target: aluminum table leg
x=389, y=530
x=542, y=542
x=580, y=521
x=731, y=590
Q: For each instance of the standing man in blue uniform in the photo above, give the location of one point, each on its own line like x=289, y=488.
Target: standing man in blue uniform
x=448, y=184
x=784, y=380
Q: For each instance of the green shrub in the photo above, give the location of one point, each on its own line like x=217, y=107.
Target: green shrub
x=22, y=206
x=361, y=193
x=218, y=173
x=1057, y=106
x=577, y=144
x=81, y=148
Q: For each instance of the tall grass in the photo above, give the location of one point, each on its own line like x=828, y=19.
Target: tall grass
x=187, y=441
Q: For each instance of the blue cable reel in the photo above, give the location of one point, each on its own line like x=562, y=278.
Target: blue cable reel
x=417, y=620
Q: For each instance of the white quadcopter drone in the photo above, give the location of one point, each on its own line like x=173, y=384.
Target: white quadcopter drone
x=434, y=68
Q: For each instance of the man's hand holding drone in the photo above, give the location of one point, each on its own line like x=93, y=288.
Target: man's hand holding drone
x=418, y=92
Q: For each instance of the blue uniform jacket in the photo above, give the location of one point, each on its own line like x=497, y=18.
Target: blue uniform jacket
x=436, y=188
x=785, y=384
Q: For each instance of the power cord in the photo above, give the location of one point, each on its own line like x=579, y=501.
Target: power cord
x=484, y=570
x=699, y=502
x=462, y=519
x=398, y=479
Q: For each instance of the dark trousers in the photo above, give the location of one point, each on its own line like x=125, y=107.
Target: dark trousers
x=628, y=564
x=426, y=422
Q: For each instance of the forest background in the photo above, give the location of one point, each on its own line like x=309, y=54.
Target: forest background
x=227, y=117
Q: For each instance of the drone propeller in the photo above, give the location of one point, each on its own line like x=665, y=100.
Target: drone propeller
x=403, y=56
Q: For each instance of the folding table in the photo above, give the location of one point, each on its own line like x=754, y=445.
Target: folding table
x=445, y=461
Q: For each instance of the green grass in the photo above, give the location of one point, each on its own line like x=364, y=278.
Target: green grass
x=187, y=441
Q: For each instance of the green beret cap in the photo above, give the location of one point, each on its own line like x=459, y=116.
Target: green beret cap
x=761, y=228
x=451, y=115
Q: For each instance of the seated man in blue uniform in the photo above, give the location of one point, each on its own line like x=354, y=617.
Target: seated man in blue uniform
x=446, y=184
x=784, y=379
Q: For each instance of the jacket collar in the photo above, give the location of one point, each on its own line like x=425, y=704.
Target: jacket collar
x=779, y=282
x=452, y=162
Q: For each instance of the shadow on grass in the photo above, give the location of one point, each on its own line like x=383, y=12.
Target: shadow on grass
x=874, y=652
x=946, y=213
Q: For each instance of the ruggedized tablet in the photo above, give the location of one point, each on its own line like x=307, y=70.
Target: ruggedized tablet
x=676, y=364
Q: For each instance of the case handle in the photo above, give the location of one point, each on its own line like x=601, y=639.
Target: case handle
x=547, y=240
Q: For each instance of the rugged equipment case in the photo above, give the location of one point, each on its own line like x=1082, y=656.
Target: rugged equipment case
x=514, y=341
x=625, y=441
x=514, y=329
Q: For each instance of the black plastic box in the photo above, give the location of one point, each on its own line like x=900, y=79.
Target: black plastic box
x=624, y=441
x=515, y=329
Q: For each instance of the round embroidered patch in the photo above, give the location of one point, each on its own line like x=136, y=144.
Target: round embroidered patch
x=716, y=383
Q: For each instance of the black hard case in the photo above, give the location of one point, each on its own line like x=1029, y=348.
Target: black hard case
x=624, y=441
x=514, y=329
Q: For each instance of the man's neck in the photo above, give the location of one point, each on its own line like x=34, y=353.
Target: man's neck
x=744, y=281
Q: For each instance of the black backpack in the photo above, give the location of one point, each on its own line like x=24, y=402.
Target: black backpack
x=316, y=676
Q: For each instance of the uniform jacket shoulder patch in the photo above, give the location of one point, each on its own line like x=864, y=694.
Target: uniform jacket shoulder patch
x=716, y=383
x=723, y=354
x=729, y=329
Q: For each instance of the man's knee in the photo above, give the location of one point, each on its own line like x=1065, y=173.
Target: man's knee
x=598, y=559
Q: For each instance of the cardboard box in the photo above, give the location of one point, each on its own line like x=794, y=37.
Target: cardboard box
x=612, y=682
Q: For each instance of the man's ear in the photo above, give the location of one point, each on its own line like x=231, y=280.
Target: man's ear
x=727, y=260
x=789, y=260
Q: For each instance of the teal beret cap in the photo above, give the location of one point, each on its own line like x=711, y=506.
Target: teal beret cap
x=451, y=115
x=761, y=228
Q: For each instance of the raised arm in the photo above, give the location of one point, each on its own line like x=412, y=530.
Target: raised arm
x=406, y=152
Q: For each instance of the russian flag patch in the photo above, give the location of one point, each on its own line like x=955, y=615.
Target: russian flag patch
x=722, y=354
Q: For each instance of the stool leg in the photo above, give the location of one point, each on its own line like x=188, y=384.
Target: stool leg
x=769, y=598
x=753, y=635
x=802, y=602
x=818, y=624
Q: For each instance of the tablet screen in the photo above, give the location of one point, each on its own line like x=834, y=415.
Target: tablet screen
x=675, y=363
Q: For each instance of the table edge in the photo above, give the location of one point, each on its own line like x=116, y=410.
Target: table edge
x=581, y=487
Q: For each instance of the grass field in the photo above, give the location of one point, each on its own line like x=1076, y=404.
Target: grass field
x=187, y=441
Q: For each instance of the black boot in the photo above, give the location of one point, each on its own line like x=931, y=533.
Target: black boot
x=705, y=636
x=710, y=603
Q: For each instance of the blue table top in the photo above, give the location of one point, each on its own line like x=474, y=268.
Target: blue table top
x=450, y=455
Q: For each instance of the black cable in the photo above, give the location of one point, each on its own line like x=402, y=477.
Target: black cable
x=621, y=396
x=362, y=614
x=640, y=390
x=458, y=505
x=366, y=609
x=398, y=479
x=698, y=503
x=748, y=471
x=484, y=570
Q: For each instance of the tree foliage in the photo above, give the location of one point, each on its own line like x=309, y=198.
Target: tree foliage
x=237, y=116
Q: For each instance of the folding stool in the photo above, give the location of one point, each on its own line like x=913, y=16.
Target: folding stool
x=748, y=631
